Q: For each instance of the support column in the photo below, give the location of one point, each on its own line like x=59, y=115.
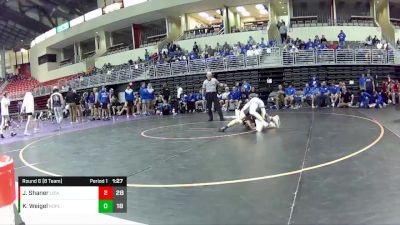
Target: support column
x=334, y=12
x=136, y=35
x=102, y=42
x=77, y=52
x=227, y=22
x=184, y=23
x=101, y=3
x=2, y=62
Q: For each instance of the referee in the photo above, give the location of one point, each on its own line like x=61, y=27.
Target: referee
x=210, y=88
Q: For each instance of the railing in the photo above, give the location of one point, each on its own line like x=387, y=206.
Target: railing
x=270, y=57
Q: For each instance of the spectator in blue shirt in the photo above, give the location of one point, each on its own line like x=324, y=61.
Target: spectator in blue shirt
x=144, y=96
x=262, y=43
x=234, y=97
x=342, y=38
x=129, y=99
x=200, y=102
x=323, y=98
x=246, y=86
x=104, y=100
x=361, y=82
x=309, y=94
x=289, y=95
x=314, y=82
x=364, y=100
x=309, y=44
x=191, y=104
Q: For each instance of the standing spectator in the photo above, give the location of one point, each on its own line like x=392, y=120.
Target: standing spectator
x=395, y=94
x=70, y=100
x=146, y=55
x=210, y=88
x=28, y=106
x=283, y=30
x=78, y=112
x=151, y=97
x=56, y=105
x=129, y=99
x=104, y=100
x=5, y=116
x=361, y=82
x=90, y=101
x=179, y=92
x=342, y=39
x=369, y=84
x=144, y=96
x=196, y=48
x=323, y=39
x=165, y=92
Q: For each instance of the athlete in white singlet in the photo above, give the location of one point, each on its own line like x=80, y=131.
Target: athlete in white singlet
x=254, y=110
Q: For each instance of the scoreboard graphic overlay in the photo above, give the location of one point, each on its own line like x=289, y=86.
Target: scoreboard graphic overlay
x=76, y=195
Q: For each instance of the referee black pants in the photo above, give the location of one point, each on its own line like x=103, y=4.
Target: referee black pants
x=211, y=97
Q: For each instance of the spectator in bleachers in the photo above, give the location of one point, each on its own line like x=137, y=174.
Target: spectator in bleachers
x=342, y=39
x=323, y=39
x=309, y=94
x=246, y=86
x=375, y=41
x=290, y=91
x=283, y=30
x=368, y=41
x=398, y=43
x=146, y=55
x=251, y=41
x=196, y=48
x=323, y=97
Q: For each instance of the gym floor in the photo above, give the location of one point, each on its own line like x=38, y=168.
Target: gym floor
x=325, y=166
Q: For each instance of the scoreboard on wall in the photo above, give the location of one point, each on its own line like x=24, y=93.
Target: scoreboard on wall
x=72, y=195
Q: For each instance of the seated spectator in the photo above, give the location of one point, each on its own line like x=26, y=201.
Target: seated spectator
x=280, y=97
x=224, y=101
x=234, y=98
x=378, y=104
x=246, y=86
x=323, y=97
x=335, y=93
x=394, y=91
x=263, y=44
x=314, y=82
x=191, y=103
x=375, y=40
x=309, y=94
x=200, y=101
x=364, y=99
x=289, y=96
x=346, y=98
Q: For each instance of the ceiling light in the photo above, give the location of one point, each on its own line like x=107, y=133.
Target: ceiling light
x=283, y=7
x=240, y=9
x=245, y=13
x=204, y=14
x=260, y=7
x=263, y=12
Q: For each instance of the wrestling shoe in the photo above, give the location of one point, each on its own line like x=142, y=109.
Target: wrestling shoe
x=222, y=129
x=277, y=121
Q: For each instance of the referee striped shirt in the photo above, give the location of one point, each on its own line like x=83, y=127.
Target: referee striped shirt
x=210, y=85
